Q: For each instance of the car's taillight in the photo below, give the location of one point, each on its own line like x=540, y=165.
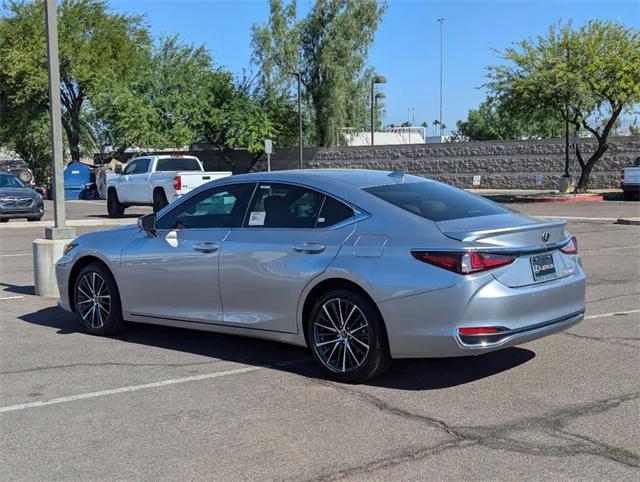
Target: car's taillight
x=464, y=262
x=177, y=183
x=571, y=247
x=622, y=175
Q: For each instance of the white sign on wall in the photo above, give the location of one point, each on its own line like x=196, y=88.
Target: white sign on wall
x=476, y=180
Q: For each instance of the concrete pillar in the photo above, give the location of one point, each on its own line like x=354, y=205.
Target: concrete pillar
x=46, y=252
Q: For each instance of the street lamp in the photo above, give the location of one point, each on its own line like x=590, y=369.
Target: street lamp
x=441, y=20
x=377, y=79
x=297, y=76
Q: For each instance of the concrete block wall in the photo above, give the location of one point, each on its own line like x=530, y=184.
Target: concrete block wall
x=501, y=164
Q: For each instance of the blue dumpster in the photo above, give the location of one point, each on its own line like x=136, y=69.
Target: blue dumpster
x=78, y=182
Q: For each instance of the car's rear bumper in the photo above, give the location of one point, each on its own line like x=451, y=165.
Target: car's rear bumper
x=426, y=325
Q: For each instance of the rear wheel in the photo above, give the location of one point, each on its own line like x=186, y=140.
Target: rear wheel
x=159, y=200
x=97, y=300
x=34, y=219
x=347, y=337
x=4, y=220
x=114, y=207
x=631, y=196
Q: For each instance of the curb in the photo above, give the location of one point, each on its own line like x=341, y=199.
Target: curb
x=558, y=199
x=628, y=222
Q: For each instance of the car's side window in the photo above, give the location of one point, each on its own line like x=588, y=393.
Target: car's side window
x=131, y=167
x=333, y=212
x=277, y=205
x=219, y=207
x=142, y=166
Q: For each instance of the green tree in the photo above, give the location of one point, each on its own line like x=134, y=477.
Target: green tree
x=100, y=52
x=583, y=75
x=328, y=49
x=493, y=120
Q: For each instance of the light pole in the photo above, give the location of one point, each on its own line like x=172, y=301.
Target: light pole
x=46, y=252
x=60, y=231
x=297, y=76
x=377, y=79
x=441, y=20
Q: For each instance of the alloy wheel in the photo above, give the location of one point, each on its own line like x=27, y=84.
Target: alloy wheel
x=93, y=299
x=341, y=335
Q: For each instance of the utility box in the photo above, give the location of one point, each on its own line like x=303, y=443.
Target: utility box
x=79, y=182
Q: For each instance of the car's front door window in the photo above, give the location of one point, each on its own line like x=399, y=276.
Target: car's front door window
x=220, y=207
x=131, y=168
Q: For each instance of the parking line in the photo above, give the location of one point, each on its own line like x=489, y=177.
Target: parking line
x=15, y=254
x=615, y=313
x=614, y=248
x=135, y=388
x=11, y=298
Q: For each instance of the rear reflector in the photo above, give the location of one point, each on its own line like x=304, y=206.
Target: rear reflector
x=571, y=247
x=479, y=331
x=464, y=262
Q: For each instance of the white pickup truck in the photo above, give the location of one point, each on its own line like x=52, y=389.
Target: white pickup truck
x=630, y=181
x=155, y=181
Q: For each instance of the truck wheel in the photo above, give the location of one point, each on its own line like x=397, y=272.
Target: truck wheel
x=159, y=200
x=114, y=207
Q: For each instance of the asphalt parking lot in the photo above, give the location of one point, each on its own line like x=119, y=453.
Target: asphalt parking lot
x=175, y=404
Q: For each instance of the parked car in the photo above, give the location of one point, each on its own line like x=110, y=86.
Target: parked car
x=630, y=181
x=359, y=266
x=18, y=200
x=155, y=181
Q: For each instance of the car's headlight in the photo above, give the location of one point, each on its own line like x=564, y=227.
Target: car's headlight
x=69, y=247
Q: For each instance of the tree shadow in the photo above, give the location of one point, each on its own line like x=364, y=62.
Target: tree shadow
x=410, y=374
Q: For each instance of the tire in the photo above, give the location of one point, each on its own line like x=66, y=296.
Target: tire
x=4, y=220
x=360, y=351
x=114, y=207
x=34, y=219
x=159, y=200
x=97, y=300
x=631, y=195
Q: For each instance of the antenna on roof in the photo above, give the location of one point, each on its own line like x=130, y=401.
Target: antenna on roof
x=397, y=176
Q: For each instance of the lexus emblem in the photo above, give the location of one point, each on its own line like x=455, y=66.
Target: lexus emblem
x=546, y=236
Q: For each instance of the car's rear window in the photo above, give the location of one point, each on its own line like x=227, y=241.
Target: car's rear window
x=178, y=164
x=436, y=201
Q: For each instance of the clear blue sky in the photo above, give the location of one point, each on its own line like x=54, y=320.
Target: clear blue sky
x=406, y=49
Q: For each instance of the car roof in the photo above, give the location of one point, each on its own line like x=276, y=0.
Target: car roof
x=355, y=178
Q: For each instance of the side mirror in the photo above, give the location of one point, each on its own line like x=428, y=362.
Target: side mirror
x=147, y=223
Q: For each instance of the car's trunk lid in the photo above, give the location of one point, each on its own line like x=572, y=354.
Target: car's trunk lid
x=511, y=231
x=534, y=241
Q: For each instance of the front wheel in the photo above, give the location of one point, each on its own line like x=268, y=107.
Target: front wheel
x=347, y=337
x=114, y=207
x=97, y=300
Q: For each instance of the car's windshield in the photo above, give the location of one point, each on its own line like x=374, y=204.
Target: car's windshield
x=178, y=164
x=7, y=180
x=436, y=201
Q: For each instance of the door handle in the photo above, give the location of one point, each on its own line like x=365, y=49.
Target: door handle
x=309, y=248
x=206, y=247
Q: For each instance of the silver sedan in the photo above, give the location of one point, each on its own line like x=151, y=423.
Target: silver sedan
x=359, y=266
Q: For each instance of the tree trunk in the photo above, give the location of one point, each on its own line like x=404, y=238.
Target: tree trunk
x=586, y=168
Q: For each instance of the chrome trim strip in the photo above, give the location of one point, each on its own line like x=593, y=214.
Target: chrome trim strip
x=526, y=330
